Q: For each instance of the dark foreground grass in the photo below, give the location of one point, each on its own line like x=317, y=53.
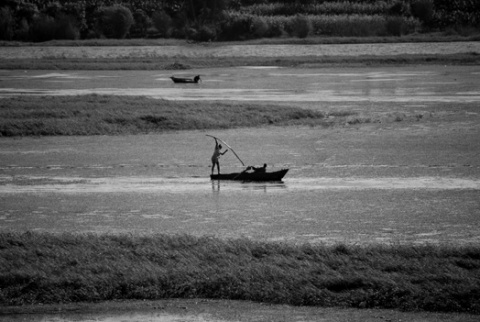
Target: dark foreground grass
x=112, y=115
x=48, y=268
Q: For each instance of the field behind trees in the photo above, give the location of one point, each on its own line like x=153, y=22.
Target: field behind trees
x=225, y=20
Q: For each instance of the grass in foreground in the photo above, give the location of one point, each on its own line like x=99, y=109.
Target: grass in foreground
x=95, y=115
x=49, y=268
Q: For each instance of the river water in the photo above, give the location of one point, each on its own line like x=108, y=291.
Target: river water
x=394, y=183
x=428, y=84
x=384, y=186
x=387, y=184
x=411, y=182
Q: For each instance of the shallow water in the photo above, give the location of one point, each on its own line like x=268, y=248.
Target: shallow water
x=416, y=185
x=412, y=182
x=425, y=84
x=383, y=186
x=291, y=212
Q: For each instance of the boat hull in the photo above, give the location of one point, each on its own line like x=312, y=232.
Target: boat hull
x=185, y=80
x=256, y=176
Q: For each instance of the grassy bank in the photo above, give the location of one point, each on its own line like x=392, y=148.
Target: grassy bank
x=48, y=268
x=180, y=63
x=313, y=40
x=121, y=115
x=174, y=63
x=112, y=115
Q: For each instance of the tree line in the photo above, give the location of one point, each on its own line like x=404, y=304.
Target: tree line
x=205, y=20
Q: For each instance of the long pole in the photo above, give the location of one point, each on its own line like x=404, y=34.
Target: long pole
x=228, y=147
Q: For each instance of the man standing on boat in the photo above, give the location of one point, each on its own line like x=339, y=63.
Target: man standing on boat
x=216, y=155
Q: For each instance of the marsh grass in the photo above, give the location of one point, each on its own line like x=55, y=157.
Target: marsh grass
x=61, y=268
x=159, y=63
x=450, y=35
x=96, y=115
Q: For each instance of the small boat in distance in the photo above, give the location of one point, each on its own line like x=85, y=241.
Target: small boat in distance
x=251, y=176
x=186, y=80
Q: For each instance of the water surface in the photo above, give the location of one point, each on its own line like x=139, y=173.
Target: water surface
x=424, y=84
x=344, y=185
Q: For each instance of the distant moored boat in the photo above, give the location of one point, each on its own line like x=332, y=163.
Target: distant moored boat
x=185, y=80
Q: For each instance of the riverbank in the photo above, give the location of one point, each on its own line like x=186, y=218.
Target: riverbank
x=124, y=115
x=181, y=55
x=42, y=268
x=414, y=38
x=186, y=63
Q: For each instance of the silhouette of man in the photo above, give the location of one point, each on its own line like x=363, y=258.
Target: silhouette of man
x=216, y=155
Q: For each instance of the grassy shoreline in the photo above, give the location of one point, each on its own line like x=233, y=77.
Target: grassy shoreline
x=183, y=63
x=173, y=63
x=117, y=115
x=66, y=268
x=427, y=37
x=126, y=115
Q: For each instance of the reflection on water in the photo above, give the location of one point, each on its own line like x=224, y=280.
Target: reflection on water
x=196, y=185
x=218, y=185
x=316, y=210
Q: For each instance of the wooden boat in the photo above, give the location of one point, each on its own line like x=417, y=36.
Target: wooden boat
x=186, y=80
x=251, y=176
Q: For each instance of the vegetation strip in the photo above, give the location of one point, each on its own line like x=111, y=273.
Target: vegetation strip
x=123, y=115
x=184, y=63
x=317, y=40
x=97, y=115
x=40, y=20
x=61, y=268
